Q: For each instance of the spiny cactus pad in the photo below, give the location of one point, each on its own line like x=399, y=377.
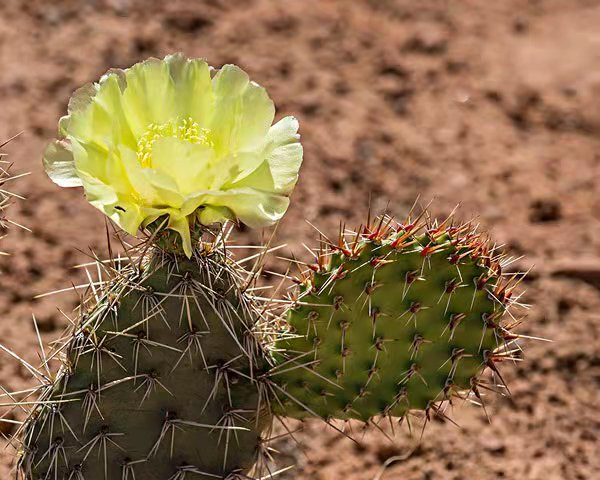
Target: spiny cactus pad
x=157, y=380
x=398, y=317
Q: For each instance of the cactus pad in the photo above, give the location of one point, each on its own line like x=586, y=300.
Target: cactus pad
x=157, y=380
x=399, y=317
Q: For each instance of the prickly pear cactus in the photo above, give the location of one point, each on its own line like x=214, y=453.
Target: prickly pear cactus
x=396, y=318
x=172, y=369
x=158, y=378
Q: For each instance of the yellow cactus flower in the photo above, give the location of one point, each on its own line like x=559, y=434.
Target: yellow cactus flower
x=176, y=137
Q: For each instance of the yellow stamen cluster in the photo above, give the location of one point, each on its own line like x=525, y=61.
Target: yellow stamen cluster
x=186, y=130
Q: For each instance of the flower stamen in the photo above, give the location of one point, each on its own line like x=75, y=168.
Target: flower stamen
x=186, y=130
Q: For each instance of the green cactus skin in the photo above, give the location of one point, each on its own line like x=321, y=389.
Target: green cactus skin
x=399, y=320
x=158, y=380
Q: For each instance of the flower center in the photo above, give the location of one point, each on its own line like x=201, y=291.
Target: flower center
x=186, y=130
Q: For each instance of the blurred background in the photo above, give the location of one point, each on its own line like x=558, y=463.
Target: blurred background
x=493, y=105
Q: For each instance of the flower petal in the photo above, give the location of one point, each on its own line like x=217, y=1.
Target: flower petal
x=234, y=167
x=284, y=154
x=167, y=193
x=98, y=193
x=283, y=132
x=243, y=111
x=136, y=175
x=186, y=163
x=124, y=211
x=60, y=165
x=181, y=225
x=105, y=166
x=210, y=215
x=253, y=208
x=149, y=95
x=193, y=88
x=127, y=214
x=282, y=160
x=99, y=119
x=284, y=164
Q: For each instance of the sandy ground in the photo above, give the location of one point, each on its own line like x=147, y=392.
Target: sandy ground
x=493, y=105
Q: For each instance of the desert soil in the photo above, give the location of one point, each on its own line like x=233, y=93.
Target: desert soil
x=493, y=105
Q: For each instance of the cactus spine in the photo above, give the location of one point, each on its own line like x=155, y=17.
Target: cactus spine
x=6, y=196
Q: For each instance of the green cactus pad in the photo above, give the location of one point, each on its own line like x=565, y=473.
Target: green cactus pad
x=157, y=382
x=400, y=318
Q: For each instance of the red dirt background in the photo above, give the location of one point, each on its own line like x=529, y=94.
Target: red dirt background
x=494, y=105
